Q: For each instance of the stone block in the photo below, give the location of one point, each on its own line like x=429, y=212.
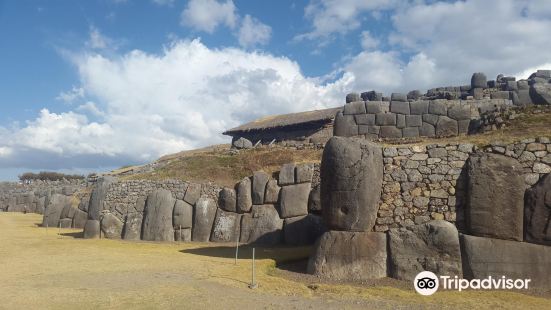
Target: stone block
x=385, y=119
x=227, y=227
x=410, y=132
x=272, y=192
x=351, y=97
x=356, y=107
x=91, y=229
x=304, y=173
x=111, y=226
x=419, y=107
x=182, y=216
x=303, y=230
x=374, y=107
x=294, y=200
x=287, y=174
x=438, y=107
x=193, y=192
x=203, y=219
x=390, y=132
x=133, y=227
x=537, y=212
x=446, y=127
x=262, y=226
x=157, y=222
x=244, y=197
x=260, y=179
x=400, y=121
x=399, y=107
x=365, y=119
x=398, y=97
x=345, y=126
x=478, y=80
x=414, y=120
x=227, y=199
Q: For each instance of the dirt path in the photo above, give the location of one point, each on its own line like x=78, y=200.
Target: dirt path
x=41, y=269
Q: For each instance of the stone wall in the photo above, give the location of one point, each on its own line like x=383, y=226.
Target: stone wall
x=425, y=182
x=407, y=118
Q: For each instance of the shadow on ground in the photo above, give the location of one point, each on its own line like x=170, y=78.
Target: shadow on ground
x=78, y=234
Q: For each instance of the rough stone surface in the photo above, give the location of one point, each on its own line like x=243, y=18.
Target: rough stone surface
x=303, y=230
x=495, y=197
x=226, y=227
x=66, y=223
x=183, y=235
x=446, y=127
x=98, y=196
x=304, y=173
x=541, y=93
x=537, y=212
x=244, y=198
x=242, y=143
x=182, y=216
x=351, y=183
x=133, y=227
x=228, y=199
x=287, y=174
x=260, y=178
x=203, y=218
x=272, y=192
x=157, y=222
x=341, y=255
x=433, y=246
x=262, y=226
x=79, y=220
x=314, y=201
x=478, y=80
x=52, y=214
x=484, y=257
x=294, y=200
x=111, y=226
x=91, y=229
x=193, y=193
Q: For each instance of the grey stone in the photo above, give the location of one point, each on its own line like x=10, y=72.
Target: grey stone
x=414, y=95
x=537, y=212
x=242, y=143
x=399, y=107
x=66, y=223
x=398, y=97
x=463, y=126
x=227, y=227
x=356, y=107
x=365, y=119
x=287, y=174
x=400, y=121
x=262, y=226
x=272, y=192
x=375, y=107
x=304, y=173
x=303, y=230
x=500, y=95
x=546, y=74
x=390, y=132
x=460, y=112
x=203, y=219
x=294, y=200
x=182, y=216
x=140, y=203
x=430, y=119
x=79, y=220
x=446, y=127
x=478, y=80
x=541, y=93
x=438, y=107
x=193, y=192
x=111, y=226
x=98, y=196
x=157, y=221
x=244, y=198
x=345, y=126
x=260, y=178
x=314, y=201
x=385, y=119
x=182, y=235
x=52, y=213
x=495, y=196
x=68, y=212
x=372, y=96
x=410, y=132
x=419, y=107
x=523, y=85
x=133, y=227
x=427, y=130
x=91, y=229
x=512, y=86
x=351, y=183
x=432, y=246
x=227, y=199
x=414, y=120
x=351, y=97
x=342, y=255
x=485, y=257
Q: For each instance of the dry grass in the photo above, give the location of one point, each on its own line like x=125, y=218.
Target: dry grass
x=40, y=269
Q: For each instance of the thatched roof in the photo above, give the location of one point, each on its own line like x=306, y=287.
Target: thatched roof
x=285, y=120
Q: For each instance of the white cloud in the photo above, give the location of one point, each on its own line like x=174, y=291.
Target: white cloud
x=253, y=32
x=368, y=42
x=72, y=95
x=206, y=15
x=99, y=41
x=90, y=107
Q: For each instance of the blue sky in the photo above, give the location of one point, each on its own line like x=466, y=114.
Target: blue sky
x=91, y=85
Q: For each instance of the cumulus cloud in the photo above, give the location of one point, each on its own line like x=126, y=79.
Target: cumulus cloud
x=70, y=96
x=206, y=15
x=368, y=42
x=253, y=32
x=97, y=40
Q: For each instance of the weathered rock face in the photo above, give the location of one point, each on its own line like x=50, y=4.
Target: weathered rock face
x=98, y=196
x=294, y=200
x=478, y=80
x=433, y=246
x=226, y=227
x=193, y=192
x=157, y=222
x=53, y=211
x=242, y=143
x=351, y=181
x=303, y=230
x=133, y=227
x=79, y=220
x=483, y=257
x=541, y=93
x=261, y=226
x=244, y=199
x=91, y=229
x=272, y=192
x=111, y=226
x=345, y=255
x=314, y=201
x=537, y=212
x=183, y=215
x=205, y=211
x=66, y=223
x=260, y=178
x=227, y=199
x=183, y=234
x=495, y=202
x=287, y=174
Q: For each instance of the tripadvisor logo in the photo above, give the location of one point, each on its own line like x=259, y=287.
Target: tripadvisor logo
x=426, y=283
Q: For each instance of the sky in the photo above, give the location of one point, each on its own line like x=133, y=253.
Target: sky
x=88, y=86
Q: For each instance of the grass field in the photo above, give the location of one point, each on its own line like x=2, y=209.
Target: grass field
x=41, y=269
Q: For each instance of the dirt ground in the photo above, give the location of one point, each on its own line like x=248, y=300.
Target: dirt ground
x=43, y=269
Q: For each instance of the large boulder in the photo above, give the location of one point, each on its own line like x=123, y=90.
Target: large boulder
x=79, y=220
x=484, y=257
x=495, y=196
x=111, y=226
x=479, y=80
x=272, y=192
x=227, y=199
x=432, y=246
x=303, y=230
x=98, y=196
x=182, y=216
x=244, y=199
x=91, y=229
x=133, y=227
x=53, y=211
x=242, y=143
x=294, y=200
x=205, y=211
x=193, y=192
x=343, y=255
x=261, y=226
x=260, y=178
x=157, y=221
x=351, y=182
x=183, y=234
x=540, y=93
x=226, y=227
x=537, y=212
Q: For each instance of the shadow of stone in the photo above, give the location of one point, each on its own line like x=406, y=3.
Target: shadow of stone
x=280, y=254
x=78, y=234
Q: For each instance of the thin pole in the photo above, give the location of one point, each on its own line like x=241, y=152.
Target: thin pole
x=236, y=249
x=180, y=233
x=253, y=285
x=59, y=230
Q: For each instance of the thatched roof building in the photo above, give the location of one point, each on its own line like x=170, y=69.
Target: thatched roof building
x=311, y=126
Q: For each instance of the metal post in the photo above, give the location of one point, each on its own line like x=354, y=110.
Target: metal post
x=236, y=249
x=253, y=285
x=180, y=233
x=59, y=231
